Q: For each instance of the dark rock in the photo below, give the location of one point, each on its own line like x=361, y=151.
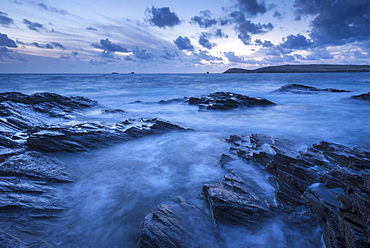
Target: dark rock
x=227, y=100
x=175, y=100
x=364, y=97
x=234, y=201
x=112, y=111
x=303, y=89
x=88, y=135
x=333, y=180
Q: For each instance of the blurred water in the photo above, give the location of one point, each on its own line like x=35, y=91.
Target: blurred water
x=118, y=185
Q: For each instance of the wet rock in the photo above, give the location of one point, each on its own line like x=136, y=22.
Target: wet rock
x=364, y=97
x=303, y=89
x=227, y=100
x=234, y=201
x=333, y=180
x=112, y=111
x=20, y=111
x=175, y=100
x=88, y=135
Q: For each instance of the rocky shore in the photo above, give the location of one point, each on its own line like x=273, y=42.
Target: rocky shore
x=327, y=184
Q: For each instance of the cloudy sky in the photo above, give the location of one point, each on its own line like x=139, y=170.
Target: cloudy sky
x=163, y=36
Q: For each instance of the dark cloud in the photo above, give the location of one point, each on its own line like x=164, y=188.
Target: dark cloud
x=5, y=20
x=204, y=19
x=252, y=7
x=108, y=46
x=169, y=55
x=35, y=26
x=337, y=22
x=183, y=43
x=162, y=17
x=73, y=56
x=91, y=29
x=298, y=41
x=52, y=9
x=247, y=28
x=50, y=45
x=220, y=34
x=265, y=43
x=278, y=15
x=142, y=54
x=5, y=41
x=205, y=42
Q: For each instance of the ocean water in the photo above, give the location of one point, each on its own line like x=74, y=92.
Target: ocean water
x=116, y=186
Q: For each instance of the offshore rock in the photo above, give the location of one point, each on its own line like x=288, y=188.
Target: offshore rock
x=227, y=100
x=364, y=97
x=333, y=180
x=234, y=201
x=303, y=89
x=88, y=135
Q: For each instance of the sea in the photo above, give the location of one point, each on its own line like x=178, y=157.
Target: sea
x=116, y=186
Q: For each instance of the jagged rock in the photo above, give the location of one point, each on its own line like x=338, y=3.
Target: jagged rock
x=333, y=180
x=234, y=201
x=34, y=165
x=88, y=135
x=303, y=89
x=364, y=97
x=227, y=100
x=20, y=111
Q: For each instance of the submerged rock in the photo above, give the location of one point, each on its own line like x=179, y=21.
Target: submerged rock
x=364, y=97
x=227, y=100
x=303, y=89
x=333, y=180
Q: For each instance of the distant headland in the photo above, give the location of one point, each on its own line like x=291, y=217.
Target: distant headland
x=303, y=69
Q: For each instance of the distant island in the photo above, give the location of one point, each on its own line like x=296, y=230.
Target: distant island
x=303, y=69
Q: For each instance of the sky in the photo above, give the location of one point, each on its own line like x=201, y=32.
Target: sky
x=193, y=36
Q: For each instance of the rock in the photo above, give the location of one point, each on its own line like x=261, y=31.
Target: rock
x=175, y=100
x=20, y=111
x=303, y=89
x=88, y=135
x=333, y=180
x=34, y=165
x=227, y=100
x=234, y=201
x=364, y=97
x=112, y=111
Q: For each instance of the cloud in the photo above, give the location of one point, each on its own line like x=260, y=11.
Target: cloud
x=142, y=54
x=220, y=34
x=205, y=42
x=52, y=9
x=5, y=41
x=91, y=29
x=203, y=55
x=35, y=26
x=234, y=58
x=319, y=55
x=336, y=22
x=204, y=19
x=97, y=62
x=162, y=17
x=183, y=43
x=50, y=45
x=247, y=28
x=296, y=42
x=108, y=46
x=265, y=43
x=252, y=7
x=169, y=55
x=5, y=20
x=72, y=56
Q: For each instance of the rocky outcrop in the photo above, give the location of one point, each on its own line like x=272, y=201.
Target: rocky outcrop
x=227, y=100
x=303, y=89
x=88, y=135
x=364, y=97
x=236, y=202
x=29, y=179
x=333, y=180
